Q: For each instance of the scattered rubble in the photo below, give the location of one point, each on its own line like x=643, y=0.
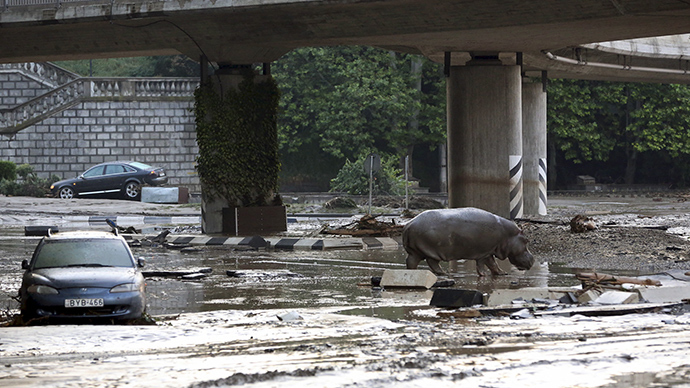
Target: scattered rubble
x=290, y=316
x=600, y=279
x=368, y=226
x=340, y=203
x=599, y=295
x=263, y=275
x=188, y=274
x=414, y=202
x=581, y=224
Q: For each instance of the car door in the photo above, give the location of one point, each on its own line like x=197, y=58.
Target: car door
x=116, y=175
x=91, y=181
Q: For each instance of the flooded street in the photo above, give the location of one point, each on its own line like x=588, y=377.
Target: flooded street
x=272, y=318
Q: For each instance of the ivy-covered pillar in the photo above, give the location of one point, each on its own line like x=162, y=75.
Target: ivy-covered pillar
x=238, y=162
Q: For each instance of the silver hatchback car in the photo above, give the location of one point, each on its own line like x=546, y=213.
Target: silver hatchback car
x=89, y=274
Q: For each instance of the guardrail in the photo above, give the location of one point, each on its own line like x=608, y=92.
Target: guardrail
x=45, y=73
x=22, y=3
x=81, y=89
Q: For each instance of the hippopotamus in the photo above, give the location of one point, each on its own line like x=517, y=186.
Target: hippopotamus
x=465, y=234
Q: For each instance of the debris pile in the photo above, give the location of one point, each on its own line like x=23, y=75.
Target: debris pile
x=368, y=226
x=599, y=295
x=581, y=224
x=414, y=202
x=340, y=203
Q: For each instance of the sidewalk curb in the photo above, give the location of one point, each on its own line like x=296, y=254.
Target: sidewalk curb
x=287, y=243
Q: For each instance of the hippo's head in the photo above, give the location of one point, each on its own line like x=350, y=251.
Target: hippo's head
x=517, y=252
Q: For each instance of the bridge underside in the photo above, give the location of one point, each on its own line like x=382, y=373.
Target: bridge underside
x=259, y=32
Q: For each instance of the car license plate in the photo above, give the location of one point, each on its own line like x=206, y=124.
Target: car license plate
x=84, y=302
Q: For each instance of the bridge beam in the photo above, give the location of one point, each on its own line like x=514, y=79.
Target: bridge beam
x=534, y=147
x=484, y=111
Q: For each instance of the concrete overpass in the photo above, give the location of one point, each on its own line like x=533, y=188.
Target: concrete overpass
x=487, y=46
x=252, y=31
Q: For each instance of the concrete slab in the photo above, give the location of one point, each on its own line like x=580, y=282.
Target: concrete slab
x=161, y=195
x=456, y=298
x=409, y=278
x=617, y=297
x=588, y=296
x=664, y=294
x=506, y=297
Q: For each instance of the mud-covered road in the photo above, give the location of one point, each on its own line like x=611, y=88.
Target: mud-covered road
x=310, y=319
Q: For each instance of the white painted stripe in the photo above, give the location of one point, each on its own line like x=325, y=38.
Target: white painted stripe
x=515, y=164
x=200, y=240
x=542, y=186
x=306, y=243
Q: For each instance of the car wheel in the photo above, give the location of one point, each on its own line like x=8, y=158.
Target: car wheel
x=66, y=193
x=132, y=190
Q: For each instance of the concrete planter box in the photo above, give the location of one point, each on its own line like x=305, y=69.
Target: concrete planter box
x=165, y=194
x=250, y=221
x=218, y=217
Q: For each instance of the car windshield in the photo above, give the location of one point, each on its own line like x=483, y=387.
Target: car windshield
x=141, y=166
x=82, y=252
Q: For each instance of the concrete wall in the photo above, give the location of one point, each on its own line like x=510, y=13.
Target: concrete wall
x=16, y=89
x=157, y=131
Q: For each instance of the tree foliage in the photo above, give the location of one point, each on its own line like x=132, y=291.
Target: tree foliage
x=352, y=179
x=619, y=124
x=158, y=66
x=342, y=103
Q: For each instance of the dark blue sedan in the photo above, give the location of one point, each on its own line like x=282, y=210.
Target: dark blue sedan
x=77, y=275
x=123, y=178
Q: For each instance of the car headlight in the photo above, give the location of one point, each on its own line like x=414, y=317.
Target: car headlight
x=52, y=187
x=42, y=289
x=127, y=287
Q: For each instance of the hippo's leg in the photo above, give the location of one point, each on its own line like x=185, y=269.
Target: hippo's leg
x=435, y=266
x=481, y=264
x=490, y=262
x=413, y=261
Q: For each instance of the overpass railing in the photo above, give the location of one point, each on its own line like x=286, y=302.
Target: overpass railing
x=83, y=89
x=22, y=3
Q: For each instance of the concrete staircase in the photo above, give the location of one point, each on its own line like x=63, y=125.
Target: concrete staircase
x=68, y=89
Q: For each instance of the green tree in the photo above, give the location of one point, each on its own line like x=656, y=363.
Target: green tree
x=618, y=123
x=346, y=102
x=158, y=66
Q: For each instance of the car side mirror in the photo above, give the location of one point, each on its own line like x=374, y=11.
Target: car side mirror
x=25, y=264
x=81, y=176
x=141, y=262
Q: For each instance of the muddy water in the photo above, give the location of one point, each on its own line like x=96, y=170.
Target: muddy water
x=251, y=280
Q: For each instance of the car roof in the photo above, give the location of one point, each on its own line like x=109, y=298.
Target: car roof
x=83, y=234
x=132, y=163
x=115, y=162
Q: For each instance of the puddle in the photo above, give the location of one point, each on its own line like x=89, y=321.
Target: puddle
x=282, y=279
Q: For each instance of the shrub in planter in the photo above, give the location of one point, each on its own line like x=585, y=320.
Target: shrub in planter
x=352, y=179
x=8, y=170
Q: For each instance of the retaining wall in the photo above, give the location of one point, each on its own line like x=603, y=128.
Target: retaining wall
x=154, y=130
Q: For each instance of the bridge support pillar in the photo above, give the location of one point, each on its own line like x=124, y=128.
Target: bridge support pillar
x=484, y=112
x=238, y=162
x=534, y=147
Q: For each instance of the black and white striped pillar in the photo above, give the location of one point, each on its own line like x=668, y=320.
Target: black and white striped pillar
x=515, y=162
